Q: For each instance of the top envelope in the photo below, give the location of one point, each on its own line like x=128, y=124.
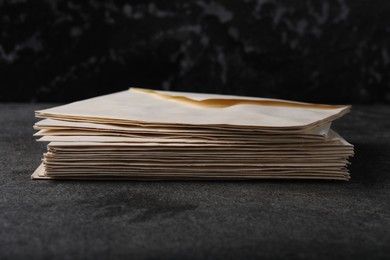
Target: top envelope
x=179, y=109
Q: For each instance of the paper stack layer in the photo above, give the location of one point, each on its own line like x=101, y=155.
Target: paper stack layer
x=159, y=135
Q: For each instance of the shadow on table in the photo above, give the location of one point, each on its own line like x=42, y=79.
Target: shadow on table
x=371, y=164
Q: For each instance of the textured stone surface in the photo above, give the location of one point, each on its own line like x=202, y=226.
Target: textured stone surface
x=333, y=51
x=196, y=220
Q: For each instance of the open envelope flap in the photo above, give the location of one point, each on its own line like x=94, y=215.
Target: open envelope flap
x=174, y=108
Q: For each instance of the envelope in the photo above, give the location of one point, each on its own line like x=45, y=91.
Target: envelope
x=143, y=134
x=142, y=107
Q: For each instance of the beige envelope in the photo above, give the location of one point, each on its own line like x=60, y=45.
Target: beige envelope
x=163, y=108
x=50, y=124
x=41, y=174
x=158, y=135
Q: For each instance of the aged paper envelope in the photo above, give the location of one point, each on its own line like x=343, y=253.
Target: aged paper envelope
x=134, y=106
x=160, y=135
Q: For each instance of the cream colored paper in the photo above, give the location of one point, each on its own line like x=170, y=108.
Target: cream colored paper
x=158, y=135
x=134, y=106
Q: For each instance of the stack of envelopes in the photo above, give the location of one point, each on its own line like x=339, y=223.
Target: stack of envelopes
x=142, y=134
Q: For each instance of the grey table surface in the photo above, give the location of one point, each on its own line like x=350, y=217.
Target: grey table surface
x=196, y=220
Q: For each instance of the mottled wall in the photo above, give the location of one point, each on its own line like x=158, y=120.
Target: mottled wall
x=334, y=51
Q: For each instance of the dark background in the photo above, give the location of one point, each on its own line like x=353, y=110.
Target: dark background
x=333, y=51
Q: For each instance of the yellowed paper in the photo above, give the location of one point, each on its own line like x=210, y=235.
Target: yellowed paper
x=159, y=135
x=134, y=106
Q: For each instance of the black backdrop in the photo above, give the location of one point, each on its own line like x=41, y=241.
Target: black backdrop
x=333, y=51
